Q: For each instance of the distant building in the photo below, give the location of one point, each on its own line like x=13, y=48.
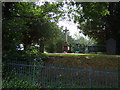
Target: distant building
x=111, y=46
x=113, y=43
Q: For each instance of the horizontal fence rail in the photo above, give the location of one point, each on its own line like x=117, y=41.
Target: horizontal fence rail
x=49, y=75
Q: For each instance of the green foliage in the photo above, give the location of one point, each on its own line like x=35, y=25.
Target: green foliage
x=26, y=22
x=24, y=56
x=97, y=19
x=91, y=18
x=55, y=44
x=50, y=48
x=13, y=82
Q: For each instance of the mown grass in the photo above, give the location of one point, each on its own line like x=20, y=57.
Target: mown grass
x=80, y=54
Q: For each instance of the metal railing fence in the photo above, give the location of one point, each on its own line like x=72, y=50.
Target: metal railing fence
x=50, y=75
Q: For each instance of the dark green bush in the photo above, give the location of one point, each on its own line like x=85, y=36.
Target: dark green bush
x=24, y=56
x=51, y=48
x=13, y=82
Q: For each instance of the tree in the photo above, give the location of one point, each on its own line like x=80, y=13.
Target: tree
x=29, y=23
x=91, y=19
x=56, y=44
x=12, y=27
x=112, y=21
x=99, y=20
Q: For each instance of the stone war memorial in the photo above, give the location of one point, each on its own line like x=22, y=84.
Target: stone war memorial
x=113, y=44
x=65, y=46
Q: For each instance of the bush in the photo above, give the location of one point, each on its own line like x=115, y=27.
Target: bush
x=13, y=82
x=24, y=56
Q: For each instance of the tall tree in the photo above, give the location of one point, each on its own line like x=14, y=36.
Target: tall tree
x=29, y=23
x=99, y=20
x=112, y=24
x=91, y=19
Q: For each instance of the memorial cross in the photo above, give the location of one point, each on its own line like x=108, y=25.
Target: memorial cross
x=66, y=34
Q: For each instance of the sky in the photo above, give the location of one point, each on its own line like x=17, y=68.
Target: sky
x=71, y=26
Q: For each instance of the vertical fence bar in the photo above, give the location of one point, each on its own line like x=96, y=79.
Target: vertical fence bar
x=90, y=77
x=117, y=80
x=80, y=79
x=29, y=74
x=97, y=79
x=114, y=80
x=55, y=84
x=111, y=80
x=45, y=78
x=49, y=80
x=71, y=79
x=107, y=79
x=32, y=70
x=102, y=80
x=73, y=82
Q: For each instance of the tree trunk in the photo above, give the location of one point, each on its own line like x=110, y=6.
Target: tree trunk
x=41, y=48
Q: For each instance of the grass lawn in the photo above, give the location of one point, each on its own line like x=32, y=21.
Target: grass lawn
x=97, y=61
x=80, y=54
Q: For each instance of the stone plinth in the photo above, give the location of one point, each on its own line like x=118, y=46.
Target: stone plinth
x=111, y=46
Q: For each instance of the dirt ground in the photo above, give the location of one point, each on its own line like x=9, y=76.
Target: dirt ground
x=95, y=61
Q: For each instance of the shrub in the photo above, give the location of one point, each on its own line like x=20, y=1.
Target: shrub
x=13, y=82
x=24, y=56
